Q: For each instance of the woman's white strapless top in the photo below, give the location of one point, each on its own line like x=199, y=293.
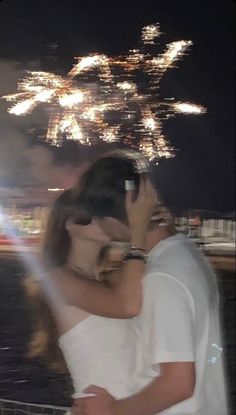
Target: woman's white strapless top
x=98, y=351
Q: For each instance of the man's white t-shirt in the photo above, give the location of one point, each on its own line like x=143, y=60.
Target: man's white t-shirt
x=179, y=322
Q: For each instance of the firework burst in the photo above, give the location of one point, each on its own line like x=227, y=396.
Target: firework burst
x=109, y=98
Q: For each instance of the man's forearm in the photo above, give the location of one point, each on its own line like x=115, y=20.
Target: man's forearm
x=155, y=398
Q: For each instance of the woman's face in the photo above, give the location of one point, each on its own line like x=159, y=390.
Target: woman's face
x=93, y=232
x=116, y=230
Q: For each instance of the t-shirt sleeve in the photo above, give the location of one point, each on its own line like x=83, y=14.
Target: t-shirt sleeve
x=169, y=319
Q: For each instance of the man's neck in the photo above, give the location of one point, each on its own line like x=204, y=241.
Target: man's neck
x=158, y=234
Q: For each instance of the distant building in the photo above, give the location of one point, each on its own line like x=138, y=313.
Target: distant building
x=28, y=206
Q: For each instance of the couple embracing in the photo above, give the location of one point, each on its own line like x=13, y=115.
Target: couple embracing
x=138, y=328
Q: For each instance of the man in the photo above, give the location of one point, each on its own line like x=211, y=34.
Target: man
x=177, y=360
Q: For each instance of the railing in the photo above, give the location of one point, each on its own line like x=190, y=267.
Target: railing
x=8, y=407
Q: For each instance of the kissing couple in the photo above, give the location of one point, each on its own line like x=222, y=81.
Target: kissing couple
x=138, y=326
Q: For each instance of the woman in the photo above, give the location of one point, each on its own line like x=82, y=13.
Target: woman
x=96, y=349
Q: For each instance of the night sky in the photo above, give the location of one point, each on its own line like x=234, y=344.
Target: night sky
x=202, y=173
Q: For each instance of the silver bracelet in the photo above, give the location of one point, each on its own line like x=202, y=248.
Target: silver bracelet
x=138, y=257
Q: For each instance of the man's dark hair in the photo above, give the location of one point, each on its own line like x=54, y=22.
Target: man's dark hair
x=102, y=187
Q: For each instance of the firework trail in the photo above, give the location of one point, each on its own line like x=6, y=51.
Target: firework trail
x=105, y=98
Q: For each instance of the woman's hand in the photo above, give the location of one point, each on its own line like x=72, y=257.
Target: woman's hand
x=140, y=211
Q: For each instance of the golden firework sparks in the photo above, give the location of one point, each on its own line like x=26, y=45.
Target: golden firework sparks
x=150, y=33
x=84, y=101
x=127, y=86
x=174, y=51
x=188, y=108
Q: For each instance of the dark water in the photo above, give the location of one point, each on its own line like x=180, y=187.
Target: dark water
x=24, y=380
x=20, y=378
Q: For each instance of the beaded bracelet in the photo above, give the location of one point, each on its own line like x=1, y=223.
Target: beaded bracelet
x=136, y=251
x=140, y=257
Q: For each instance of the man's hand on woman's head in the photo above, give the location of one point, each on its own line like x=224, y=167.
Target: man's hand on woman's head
x=139, y=211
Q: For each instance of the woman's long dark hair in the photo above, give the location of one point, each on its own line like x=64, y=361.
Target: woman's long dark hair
x=54, y=253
